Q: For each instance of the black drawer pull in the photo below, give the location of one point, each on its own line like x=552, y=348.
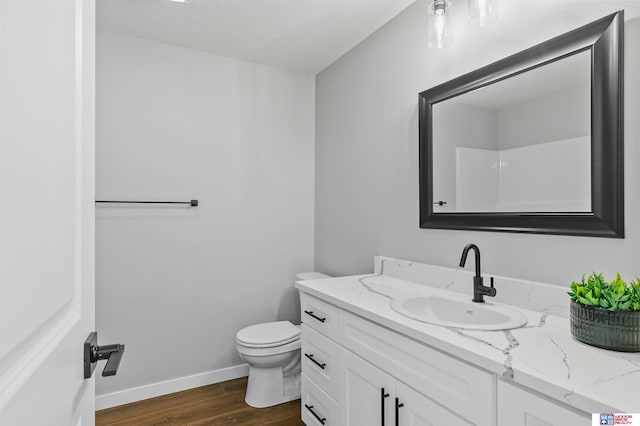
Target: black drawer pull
x=310, y=313
x=310, y=408
x=398, y=406
x=315, y=362
x=383, y=395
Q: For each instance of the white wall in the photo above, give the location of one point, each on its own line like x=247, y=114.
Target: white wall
x=174, y=284
x=552, y=176
x=367, y=151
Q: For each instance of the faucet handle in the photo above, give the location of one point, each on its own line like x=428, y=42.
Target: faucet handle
x=490, y=291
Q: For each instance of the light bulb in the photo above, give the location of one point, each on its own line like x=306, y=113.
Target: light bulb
x=482, y=12
x=438, y=24
x=440, y=29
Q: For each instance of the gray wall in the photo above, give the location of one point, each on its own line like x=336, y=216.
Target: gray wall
x=175, y=284
x=367, y=151
x=479, y=131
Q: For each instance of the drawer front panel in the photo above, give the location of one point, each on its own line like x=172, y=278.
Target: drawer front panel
x=458, y=386
x=320, y=360
x=318, y=408
x=319, y=315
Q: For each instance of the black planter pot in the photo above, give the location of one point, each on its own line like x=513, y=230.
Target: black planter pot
x=615, y=330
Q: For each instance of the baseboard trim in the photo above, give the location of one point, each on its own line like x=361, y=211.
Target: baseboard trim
x=139, y=393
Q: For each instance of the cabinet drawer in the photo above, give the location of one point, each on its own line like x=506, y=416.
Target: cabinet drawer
x=319, y=315
x=456, y=385
x=517, y=407
x=318, y=409
x=320, y=360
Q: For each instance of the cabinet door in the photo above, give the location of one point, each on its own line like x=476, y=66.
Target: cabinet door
x=418, y=410
x=362, y=393
x=517, y=407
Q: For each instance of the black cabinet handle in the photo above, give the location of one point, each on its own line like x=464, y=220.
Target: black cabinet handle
x=383, y=396
x=398, y=406
x=315, y=362
x=310, y=313
x=310, y=408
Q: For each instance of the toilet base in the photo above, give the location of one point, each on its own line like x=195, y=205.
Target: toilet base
x=267, y=387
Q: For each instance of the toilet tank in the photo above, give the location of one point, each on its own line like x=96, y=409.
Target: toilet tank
x=304, y=276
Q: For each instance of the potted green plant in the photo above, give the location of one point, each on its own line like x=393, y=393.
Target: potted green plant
x=606, y=314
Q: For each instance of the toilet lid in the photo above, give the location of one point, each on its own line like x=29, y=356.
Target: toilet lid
x=268, y=334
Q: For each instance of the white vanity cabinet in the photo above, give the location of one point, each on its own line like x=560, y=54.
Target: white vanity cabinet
x=353, y=371
x=517, y=407
x=356, y=373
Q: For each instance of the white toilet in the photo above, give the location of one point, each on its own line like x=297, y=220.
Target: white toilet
x=272, y=351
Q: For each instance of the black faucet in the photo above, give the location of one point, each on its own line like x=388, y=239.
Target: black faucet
x=479, y=290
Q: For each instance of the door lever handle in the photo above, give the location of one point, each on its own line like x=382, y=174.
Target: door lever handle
x=113, y=355
x=94, y=353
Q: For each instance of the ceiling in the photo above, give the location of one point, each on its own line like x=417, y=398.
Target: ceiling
x=299, y=35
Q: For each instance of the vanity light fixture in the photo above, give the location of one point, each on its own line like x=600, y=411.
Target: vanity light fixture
x=439, y=24
x=482, y=12
x=180, y=1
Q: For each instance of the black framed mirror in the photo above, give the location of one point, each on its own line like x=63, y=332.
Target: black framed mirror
x=531, y=143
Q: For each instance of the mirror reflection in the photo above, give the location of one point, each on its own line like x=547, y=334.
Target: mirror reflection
x=522, y=144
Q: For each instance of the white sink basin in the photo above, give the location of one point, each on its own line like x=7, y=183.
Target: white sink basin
x=458, y=313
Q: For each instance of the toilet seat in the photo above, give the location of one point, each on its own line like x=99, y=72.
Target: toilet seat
x=268, y=335
x=268, y=351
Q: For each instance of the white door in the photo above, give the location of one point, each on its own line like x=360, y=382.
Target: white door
x=365, y=392
x=46, y=210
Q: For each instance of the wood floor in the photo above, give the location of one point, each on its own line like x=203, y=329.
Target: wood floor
x=218, y=404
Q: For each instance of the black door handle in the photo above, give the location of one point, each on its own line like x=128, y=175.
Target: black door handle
x=398, y=406
x=94, y=353
x=320, y=419
x=311, y=314
x=383, y=396
x=113, y=355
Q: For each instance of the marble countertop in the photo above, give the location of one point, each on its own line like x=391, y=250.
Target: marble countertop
x=542, y=355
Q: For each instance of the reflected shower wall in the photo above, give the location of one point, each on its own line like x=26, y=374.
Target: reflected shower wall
x=552, y=176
